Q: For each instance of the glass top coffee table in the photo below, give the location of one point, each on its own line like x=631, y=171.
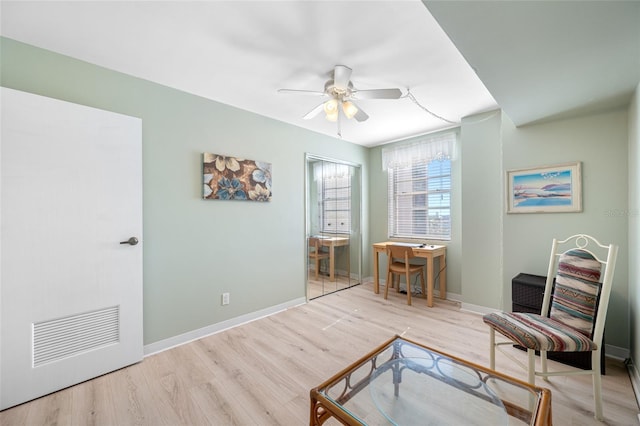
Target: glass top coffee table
x=405, y=383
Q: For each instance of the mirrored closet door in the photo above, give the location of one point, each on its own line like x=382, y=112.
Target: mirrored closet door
x=333, y=215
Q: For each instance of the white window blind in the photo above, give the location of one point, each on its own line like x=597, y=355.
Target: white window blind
x=419, y=188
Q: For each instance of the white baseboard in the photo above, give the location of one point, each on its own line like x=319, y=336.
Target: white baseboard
x=454, y=297
x=635, y=381
x=476, y=309
x=616, y=352
x=190, y=336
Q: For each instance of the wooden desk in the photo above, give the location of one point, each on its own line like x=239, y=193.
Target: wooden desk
x=428, y=252
x=332, y=243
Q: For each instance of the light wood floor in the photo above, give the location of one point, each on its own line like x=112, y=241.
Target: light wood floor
x=261, y=373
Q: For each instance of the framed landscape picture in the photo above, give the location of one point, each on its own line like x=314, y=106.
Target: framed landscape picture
x=550, y=189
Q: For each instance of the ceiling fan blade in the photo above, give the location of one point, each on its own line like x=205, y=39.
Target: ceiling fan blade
x=314, y=112
x=301, y=92
x=378, y=94
x=341, y=76
x=361, y=115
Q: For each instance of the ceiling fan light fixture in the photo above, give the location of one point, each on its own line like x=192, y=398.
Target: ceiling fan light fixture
x=331, y=106
x=350, y=110
x=338, y=92
x=331, y=109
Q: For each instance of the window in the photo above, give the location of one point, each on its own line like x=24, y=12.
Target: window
x=334, y=187
x=419, y=189
x=420, y=200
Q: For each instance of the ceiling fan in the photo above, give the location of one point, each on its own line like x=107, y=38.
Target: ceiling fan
x=342, y=94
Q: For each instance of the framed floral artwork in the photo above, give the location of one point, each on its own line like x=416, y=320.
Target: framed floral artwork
x=231, y=178
x=549, y=189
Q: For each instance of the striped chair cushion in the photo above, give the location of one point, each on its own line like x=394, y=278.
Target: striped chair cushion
x=540, y=333
x=576, y=291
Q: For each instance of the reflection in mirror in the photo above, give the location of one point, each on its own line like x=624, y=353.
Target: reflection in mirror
x=333, y=226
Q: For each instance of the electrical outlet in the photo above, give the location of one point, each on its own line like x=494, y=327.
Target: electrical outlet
x=225, y=298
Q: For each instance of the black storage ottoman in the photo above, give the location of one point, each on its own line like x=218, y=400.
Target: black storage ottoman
x=527, y=292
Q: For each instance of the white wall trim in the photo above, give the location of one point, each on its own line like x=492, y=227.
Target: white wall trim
x=616, y=352
x=477, y=309
x=181, y=339
x=454, y=297
x=635, y=382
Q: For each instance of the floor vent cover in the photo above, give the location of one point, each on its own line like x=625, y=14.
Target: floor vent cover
x=64, y=337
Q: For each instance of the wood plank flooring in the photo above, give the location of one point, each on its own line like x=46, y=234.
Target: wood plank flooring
x=260, y=373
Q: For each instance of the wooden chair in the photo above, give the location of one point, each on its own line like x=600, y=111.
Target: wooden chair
x=316, y=253
x=398, y=263
x=574, y=310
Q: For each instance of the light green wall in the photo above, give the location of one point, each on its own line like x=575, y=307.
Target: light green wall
x=196, y=249
x=482, y=211
x=377, y=209
x=634, y=225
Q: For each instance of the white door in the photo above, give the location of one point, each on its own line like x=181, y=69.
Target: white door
x=70, y=293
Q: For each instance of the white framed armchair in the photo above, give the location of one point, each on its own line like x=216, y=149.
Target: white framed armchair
x=574, y=310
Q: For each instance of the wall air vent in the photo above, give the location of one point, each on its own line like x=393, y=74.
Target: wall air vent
x=65, y=337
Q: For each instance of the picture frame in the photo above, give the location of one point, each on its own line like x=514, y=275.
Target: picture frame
x=548, y=189
x=233, y=178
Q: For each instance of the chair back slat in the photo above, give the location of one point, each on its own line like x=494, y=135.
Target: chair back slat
x=399, y=252
x=576, y=290
x=314, y=243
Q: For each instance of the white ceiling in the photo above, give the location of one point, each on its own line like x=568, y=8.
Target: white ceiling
x=539, y=59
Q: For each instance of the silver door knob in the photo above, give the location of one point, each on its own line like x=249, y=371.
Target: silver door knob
x=131, y=241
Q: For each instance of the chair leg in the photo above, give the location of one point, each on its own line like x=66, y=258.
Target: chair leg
x=492, y=348
x=543, y=362
x=408, y=277
x=532, y=366
x=597, y=383
x=317, y=267
x=531, y=354
x=388, y=284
